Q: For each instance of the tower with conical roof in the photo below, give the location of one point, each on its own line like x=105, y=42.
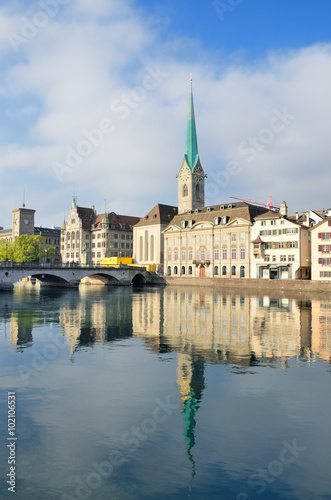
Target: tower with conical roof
x=191, y=178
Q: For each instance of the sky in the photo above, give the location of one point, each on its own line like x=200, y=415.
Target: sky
x=94, y=100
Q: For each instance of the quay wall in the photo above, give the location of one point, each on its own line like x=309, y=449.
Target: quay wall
x=253, y=284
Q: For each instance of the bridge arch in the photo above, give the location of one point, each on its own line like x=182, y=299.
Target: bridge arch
x=138, y=279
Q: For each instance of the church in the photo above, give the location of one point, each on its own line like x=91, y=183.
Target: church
x=195, y=240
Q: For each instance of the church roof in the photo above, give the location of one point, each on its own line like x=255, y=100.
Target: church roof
x=160, y=214
x=191, y=148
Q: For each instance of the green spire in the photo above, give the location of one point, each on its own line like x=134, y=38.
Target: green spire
x=191, y=148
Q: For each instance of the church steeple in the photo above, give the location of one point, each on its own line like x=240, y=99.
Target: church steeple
x=191, y=183
x=191, y=148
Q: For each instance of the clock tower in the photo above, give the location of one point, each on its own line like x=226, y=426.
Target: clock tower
x=191, y=177
x=23, y=222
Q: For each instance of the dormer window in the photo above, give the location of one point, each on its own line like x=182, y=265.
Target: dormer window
x=183, y=224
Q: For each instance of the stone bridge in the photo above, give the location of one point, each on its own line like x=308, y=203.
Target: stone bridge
x=60, y=275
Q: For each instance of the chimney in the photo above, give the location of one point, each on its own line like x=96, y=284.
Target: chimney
x=296, y=215
x=93, y=208
x=283, y=209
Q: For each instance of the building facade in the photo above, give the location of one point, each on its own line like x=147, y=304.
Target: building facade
x=87, y=237
x=148, y=239
x=321, y=250
x=280, y=246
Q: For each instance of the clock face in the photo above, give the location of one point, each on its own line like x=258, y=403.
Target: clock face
x=198, y=174
x=184, y=174
x=26, y=221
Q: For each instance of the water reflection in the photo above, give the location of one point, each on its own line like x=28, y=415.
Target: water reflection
x=236, y=328
x=207, y=337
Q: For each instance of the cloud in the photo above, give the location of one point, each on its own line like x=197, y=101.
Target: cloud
x=84, y=67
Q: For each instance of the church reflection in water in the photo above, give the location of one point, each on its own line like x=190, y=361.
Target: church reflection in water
x=202, y=326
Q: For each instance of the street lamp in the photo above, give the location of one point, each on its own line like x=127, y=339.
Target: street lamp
x=45, y=255
x=6, y=252
x=120, y=258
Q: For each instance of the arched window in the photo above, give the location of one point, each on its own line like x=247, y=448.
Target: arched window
x=190, y=270
x=146, y=246
x=141, y=248
x=185, y=191
x=216, y=271
x=224, y=271
x=175, y=270
x=183, y=270
x=197, y=191
x=202, y=255
x=242, y=271
x=169, y=271
x=233, y=270
x=152, y=248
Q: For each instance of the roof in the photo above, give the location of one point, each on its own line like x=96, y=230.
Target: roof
x=119, y=221
x=240, y=210
x=191, y=148
x=47, y=230
x=320, y=223
x=258, y=240
x=160, y=214
x=87, y=215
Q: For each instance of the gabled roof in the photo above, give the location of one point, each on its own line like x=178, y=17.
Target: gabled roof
x=239, y=210
x=160, y=214
x=320, y=223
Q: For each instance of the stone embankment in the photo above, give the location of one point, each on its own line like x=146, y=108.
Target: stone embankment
x=253, y=284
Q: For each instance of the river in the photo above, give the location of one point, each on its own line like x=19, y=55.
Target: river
x=154, y=393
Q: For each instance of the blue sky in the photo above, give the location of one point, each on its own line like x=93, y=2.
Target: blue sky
x=94, y=99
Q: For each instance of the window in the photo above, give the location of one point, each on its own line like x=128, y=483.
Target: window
x=216, y=254
x=325, y=248
x=208, y=255
x=291, y=230
x=263, y=222
x=202, y=255
x=283, y=258
x=274, y=258
x=242, y=271
x=282, y=221
x=281, y=245
x=224, y=271
x=190, y=270
x=185, y=191
x=325, y=262
x=202, y=240
x=217, y=238
x=291, y=258
x=216, y=271
x=224, y=253
x=176, y=255
x=190, y=254
x=268, y=246
x=233, y=253
x=325, y=274
x=325, y=236
x=233, y=270
x=184, y=241
x=224, y=238
x=292, y=244
x=183, y=255
x=233, y=237
x=243, y=253
x=175, y=270
x=277, y=231
x=267, y=258
x=264, y=233
x=272, y=222
x=169, y=255
x=242, y=236
x=183, y=270
x=169, y=271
